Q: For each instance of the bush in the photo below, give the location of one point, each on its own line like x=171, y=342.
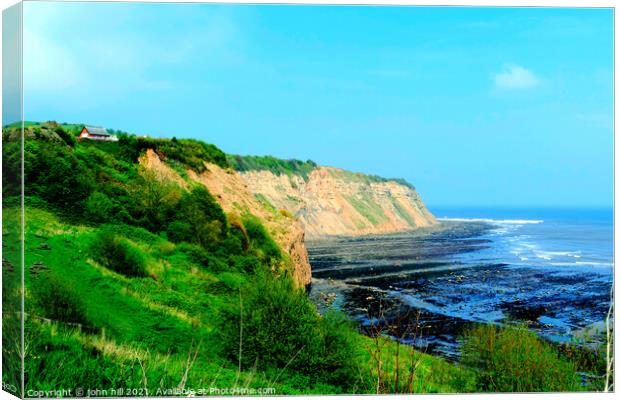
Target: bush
x=261, y=242
x=68, y=138
x=99, y=208
x=513, y=359
x=275, y=165
x=53, y=173
x=282, y=329
x=246, y=263
x=189, y=152
x=199, y=218
x=179, y=231
x=286, y=213
x=236, y=225
x=202, y=257
x=58, y=300
x=11, y=167
x=118, y=253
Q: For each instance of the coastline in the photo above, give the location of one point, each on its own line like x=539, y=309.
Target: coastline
x=457, y=274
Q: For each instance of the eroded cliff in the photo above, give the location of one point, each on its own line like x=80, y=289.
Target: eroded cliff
x=232, y=193
x=332, y=201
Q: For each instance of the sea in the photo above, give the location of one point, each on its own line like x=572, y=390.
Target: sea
x=549, y=269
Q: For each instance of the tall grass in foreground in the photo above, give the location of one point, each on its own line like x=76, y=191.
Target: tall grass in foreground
x=513, y=359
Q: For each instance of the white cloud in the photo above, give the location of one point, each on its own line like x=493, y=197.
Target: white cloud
x=515, y=77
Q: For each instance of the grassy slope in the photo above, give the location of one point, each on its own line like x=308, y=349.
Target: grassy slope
x=140, y=331
x=150, y=324
x=156, y=322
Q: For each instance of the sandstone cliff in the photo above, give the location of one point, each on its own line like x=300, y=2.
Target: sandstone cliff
x=232, y=193
x=332, y=201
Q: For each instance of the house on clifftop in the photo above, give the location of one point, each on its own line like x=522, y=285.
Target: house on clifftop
x=97, y=133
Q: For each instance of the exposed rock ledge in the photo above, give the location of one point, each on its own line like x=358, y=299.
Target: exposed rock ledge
x=333, y=201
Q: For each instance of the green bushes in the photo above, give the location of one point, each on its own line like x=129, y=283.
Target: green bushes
x=236, y=225
x=264, y=247
x=53, y=173
x=11, y=167
x=99, y=208
x=205, y=217
x=513, y=359
x=180, y=231
x=68, y=138
x=273, y=164
x=58, y=300
x=102, y=182
x=189, y=152
x=274, y=326
x=118, y=253
x=202, y=257
x=97, y=183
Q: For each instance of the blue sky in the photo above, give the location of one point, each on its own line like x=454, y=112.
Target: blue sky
x=475, y=106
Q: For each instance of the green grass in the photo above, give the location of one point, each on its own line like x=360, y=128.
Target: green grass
x=128, y=276
x=133, y=323
x=513, y=359
x=430, y=374
x=402, y=212
x=139, y=282
x=367, y=178
x=368, y=209
x=11, y=299
x=273, y=164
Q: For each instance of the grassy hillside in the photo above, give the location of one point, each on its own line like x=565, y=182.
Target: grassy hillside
x=140, y=282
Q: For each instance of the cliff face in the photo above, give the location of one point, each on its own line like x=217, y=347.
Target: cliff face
x=232, y=193
x=333, y=201
x=325, y=201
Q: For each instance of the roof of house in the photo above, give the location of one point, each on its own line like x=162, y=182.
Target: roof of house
x=97, y=130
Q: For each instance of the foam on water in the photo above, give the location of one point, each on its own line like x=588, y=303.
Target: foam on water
x=552, y=272
x=572, y=241
x=494, y=221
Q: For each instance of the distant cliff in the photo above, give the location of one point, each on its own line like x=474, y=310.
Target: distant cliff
x=332, y=201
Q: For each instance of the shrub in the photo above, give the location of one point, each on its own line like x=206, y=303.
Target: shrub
x=68, y=138
x=279, y=328
x=58, y=300
x=245, y=263
x=232, y=245
x=275, y=165
x=286, y=213
x=11, y=167
x=179, y=231
x=118, y=253
x=260, y=241
x=99, y=208
x=235, y=222
x=192, y=153
x=156, y=200
x=56, y=175
x=200, y=219
x=202, y=257
x=513, y=359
